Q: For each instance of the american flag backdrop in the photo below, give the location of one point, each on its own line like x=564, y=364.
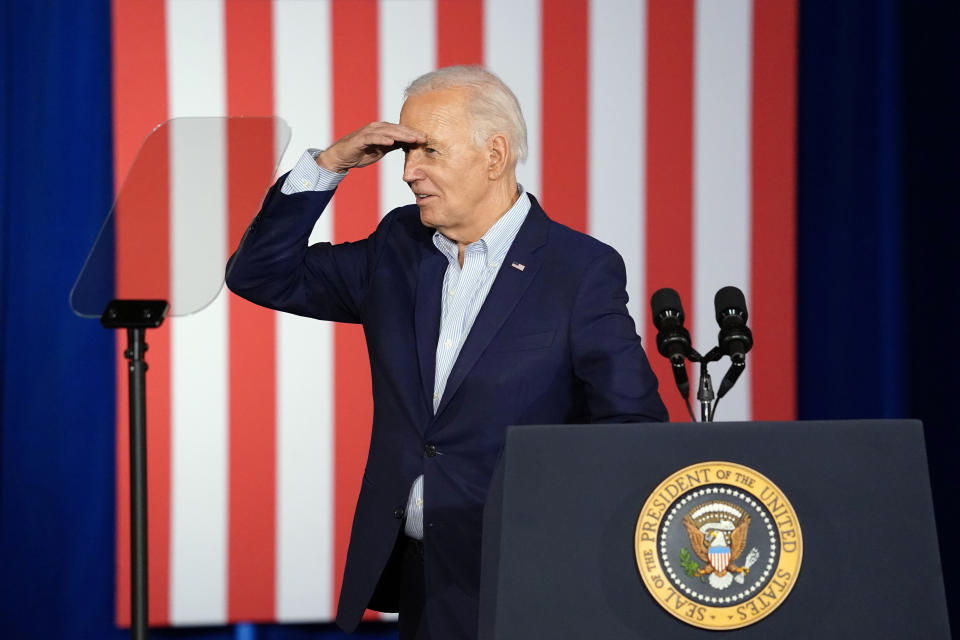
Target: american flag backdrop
x=665, y=128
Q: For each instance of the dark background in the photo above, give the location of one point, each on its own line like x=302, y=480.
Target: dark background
x=878, y=187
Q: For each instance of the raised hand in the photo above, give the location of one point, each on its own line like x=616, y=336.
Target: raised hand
x=367, y=145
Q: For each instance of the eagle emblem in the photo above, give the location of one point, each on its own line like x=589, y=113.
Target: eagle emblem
x=714, y=554
x=718, y=536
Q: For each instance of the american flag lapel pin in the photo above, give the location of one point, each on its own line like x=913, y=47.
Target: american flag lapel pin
x=517, y=266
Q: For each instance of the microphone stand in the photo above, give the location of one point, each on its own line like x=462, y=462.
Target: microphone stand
x=705, y=394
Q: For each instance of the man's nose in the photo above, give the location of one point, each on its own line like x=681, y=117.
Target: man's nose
x=411, y=167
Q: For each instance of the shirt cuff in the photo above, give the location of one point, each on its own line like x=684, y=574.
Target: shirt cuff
x=307, y=175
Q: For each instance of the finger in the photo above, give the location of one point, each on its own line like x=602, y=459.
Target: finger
x=380, y=140
x=400, y=132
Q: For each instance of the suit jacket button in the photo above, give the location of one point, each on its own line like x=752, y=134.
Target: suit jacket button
x=398, y=513
x=430, y=450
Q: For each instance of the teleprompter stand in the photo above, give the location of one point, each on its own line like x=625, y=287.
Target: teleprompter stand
x=136, y=316
x=159, y=255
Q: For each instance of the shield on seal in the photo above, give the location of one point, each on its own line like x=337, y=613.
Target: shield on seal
x=719, y=558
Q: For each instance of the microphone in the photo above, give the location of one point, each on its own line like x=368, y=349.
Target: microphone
x=673, y=340
x=735, y=338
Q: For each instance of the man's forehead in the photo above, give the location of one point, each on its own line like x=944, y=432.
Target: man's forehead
x=440, y=107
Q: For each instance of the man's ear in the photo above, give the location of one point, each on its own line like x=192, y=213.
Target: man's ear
x=498, y=154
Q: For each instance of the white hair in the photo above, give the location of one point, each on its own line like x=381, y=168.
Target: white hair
x=493, y=107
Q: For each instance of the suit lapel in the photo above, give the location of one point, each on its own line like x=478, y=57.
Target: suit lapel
x=503, y=297
x=427, y=316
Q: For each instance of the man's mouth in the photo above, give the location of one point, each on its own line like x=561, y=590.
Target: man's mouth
x=423, y=196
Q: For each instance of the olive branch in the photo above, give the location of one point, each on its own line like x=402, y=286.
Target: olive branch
x=691, y=568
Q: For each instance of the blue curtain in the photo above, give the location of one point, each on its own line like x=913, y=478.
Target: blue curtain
x=877, y=218
x=850, y=281
x=57, y=469
x=878, y=187
x=930, y=102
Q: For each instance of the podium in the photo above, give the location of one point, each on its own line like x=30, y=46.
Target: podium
x=563, y=523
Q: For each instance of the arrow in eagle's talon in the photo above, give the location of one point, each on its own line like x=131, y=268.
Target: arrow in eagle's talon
x=751, y=559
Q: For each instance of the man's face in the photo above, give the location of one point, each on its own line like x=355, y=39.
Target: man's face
x=448, y=174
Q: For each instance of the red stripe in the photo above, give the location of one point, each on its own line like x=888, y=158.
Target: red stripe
x=251, y=521
x=459, y=32
x=139, y=104
x=142, y=229
x=669, y=170
x=139, y=97
x=355, y=103
x=564, y=95
x=773, y=198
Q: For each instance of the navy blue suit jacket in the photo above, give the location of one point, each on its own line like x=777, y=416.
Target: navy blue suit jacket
x=552, y=343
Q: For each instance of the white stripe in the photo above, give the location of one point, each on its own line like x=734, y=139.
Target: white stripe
x=198, y=201
x=196, y=70
x=407, y=50
x=304, y=384
x=616, y=138
x=722, y=221
x=305, y=444
x=199, y=397
x=511, y=46
x=282, y=136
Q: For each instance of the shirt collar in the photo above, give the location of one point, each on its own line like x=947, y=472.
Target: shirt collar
x=498, y=238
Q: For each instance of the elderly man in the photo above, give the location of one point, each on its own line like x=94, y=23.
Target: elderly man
x=479, y=313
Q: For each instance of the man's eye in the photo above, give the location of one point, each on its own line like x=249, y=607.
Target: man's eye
x=430, y=150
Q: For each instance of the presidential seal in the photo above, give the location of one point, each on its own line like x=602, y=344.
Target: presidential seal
x=718, y=545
